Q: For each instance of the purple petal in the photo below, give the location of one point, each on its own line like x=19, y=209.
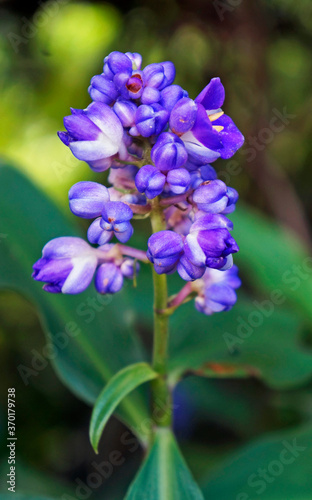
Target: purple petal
x=232, y=139
x=171, y=95
x=116, y=211
x=81, y=276
x=212, y=96
x=211, y=221
x=125, y=232
x=66, y=246
x=97, y=235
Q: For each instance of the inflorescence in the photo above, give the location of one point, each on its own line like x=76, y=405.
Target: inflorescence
x=158, y=144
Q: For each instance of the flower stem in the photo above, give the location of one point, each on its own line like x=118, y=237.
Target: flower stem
x=161, y=397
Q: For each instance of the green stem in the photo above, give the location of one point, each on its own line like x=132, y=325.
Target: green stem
x=161, y=397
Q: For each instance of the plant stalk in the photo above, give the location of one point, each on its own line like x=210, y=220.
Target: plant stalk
x=161, y=396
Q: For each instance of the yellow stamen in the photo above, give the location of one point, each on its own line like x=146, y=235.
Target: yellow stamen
x=215, y=116
x=218, y=128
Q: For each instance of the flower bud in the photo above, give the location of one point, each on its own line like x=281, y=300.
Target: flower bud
x=125, y=110
x=87, y=199
x=178, y=180
x=67, y=265
x=150, y=181
x=164, y=251
x=117, y=62
x=217, y=290
x=168, y=152
x=102, y=89
x=108, y=278
x=150, y=120
x=183, y=116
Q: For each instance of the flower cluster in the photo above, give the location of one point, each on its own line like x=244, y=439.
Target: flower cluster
x=159, y=145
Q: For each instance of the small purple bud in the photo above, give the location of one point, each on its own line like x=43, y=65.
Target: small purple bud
x=211, y=197
x=117, y=62
x=108, y=278
x=217, y=290
x=115, y=218
x=87, y=199
x=168, y=152
x=102, y=89
x=178, y=180
x=150, y=181
x=154, y=75
x=151, y=120
x=209, y=240
x=164, y=251
x=125, y=110
x=183, y=116
x=97, y=235
x=136, y=60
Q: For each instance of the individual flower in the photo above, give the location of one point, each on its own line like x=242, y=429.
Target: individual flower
x=116, y=63
x=103, y=89
x=178, y=180
x=211, y=134
x=108, y=278
x=87, y=199
x=164, y=250
x=150, y=180
x=156, y=77
x=125, y=110
x=210, y=243
x=168, y=152
x=67, y=265
x=114, y=221
x=149, y=120
x=215, y=197
x=94, y=134
x=216, y=290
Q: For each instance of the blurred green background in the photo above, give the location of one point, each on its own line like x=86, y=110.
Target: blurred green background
x=255, y=393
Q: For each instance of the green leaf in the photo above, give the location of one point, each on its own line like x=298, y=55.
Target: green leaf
x=164, y=474
x=91, y=339
x=271, y=256
x=284, y=456
x=113, y=393
x=240, y=343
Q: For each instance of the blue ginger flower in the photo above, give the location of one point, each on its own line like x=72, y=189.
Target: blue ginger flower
x=67, y=265
x=216, y=290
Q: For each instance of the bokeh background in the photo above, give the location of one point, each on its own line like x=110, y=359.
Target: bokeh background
x=258, y=387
